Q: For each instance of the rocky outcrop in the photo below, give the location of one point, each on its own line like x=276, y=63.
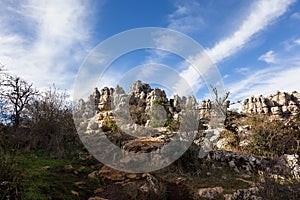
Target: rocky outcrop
x=141, y=112
x=156, y=96
x=143, y=99
x=106, y=99
x=245, y=194
x=285, y=166
x=177, y=102
x=281, y=104
x=205, y=108
x=236, y=161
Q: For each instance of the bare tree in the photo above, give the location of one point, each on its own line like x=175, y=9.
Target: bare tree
x=221, y=102
x=52, y=125
x=16, y=94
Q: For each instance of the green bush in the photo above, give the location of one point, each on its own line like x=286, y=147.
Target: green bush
x=10, y=172
x=273, y=138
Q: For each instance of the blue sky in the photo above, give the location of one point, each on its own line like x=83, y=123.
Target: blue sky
x=254, y=44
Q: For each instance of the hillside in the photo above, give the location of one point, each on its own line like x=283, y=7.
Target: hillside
x=165, y=148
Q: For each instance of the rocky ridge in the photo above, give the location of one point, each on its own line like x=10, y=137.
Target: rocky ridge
x=139, y=104
x=281, y=104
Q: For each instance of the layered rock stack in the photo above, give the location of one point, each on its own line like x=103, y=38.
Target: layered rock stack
x=143, y=96
x=141, y=106
x=281, y=104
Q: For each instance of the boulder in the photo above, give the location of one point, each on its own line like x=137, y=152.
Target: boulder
x=209, y=193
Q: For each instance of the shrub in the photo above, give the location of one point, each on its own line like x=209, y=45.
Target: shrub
x=109, y=125
x=52, y=126
x=272, y=138
x=10, y=173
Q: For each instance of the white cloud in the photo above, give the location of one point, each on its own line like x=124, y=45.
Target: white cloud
x=186, y=18
x=239, y=90
x=226, y=76
x=284, y=77
x=266, y=82
x=296, y=16
x=261, y=15
x=243, y=70
x=47, y=42
x=297, y=41
x=268, y=57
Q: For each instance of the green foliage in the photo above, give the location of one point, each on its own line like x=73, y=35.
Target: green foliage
x=232, y=139
x=10, y=171
x=109, y=125
x=114, y=127
x=173, y=125
x=36, y=176
x=10, y=177
x=272, y=138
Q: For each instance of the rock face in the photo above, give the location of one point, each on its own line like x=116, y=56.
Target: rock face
x=288, y=165
x=141, y=112
x=285, y=166
x=236, y=161
x=205, y=108
x=155, y=96
x=106, y=99
x=145, y=99
x=281, y=104
x=144, y=105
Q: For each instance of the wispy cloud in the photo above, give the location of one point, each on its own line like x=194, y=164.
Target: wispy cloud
x=268, y=57
x=297, y=41
x=261, y=15
x=186, y=18
x=295, y=16
x=283, y=76
x=266, y=82
x=243, y=70
x=47, y=42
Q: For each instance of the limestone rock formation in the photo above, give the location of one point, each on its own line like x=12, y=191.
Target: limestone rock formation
x=143, y=108
x=106, y=98
x=281, y=104
x=177, y=103
x=285, y=166
x=140, y=90
x=156, y=96
x=205, y=108
x=119, y=90
x=139, y=103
